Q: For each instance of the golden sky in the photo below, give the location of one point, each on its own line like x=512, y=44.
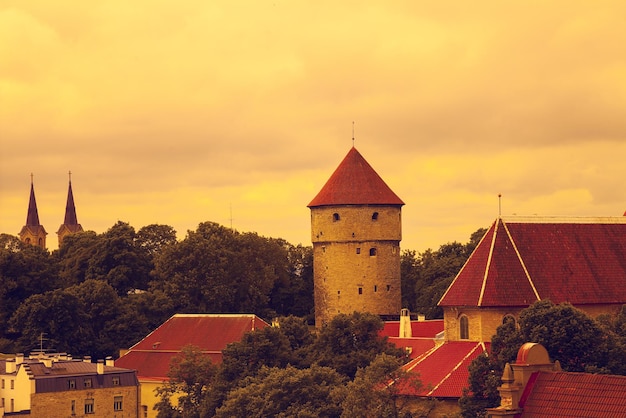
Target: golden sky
x=239, y=111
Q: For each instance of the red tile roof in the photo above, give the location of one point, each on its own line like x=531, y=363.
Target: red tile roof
x=562, y=394
x=211, y=332
x=520, y=261
x=426, y=329
x=355, y=182
x=443, y=371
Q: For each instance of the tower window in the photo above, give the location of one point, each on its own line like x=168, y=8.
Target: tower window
x=358, y=250
x=388, y=288
x=375, y=216
x=360, y=290
x=464, y=328
x=375, y=288
x=372, y=252
x=336, y=217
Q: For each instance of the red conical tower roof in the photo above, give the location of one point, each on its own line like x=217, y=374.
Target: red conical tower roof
x=355, y=182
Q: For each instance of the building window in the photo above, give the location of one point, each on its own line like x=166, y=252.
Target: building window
x=372, y=252
x=375, y=216
x=71, y=383
x=2, y=383
x=2, y=402
x=375, y=288
x=12, y=405
x=89, y=409
x=87, y=382
x=388, y=288
x=338, y=292
x=117, y=403
x=144, y=408
x=509, y=319
x=360, y=290
x=464, y=325
x=73, y=407
x=12, y=384
x=336, y=217
x=116, y=380
x=358, y=251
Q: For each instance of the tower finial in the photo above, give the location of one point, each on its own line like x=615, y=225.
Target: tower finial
x=70, y=175
x=499, y=205
x=352, y=134
x=31, y=178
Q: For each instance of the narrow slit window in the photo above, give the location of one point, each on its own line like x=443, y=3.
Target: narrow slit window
x=464, y=325
x=375, y=216
x=336, y=217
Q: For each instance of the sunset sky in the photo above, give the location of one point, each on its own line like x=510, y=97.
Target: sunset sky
x=179, y=112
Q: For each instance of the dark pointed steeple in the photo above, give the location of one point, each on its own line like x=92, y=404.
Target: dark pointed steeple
x=70, y=223
x=33, y=232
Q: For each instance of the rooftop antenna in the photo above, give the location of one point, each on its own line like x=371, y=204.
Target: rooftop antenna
x=231, y=216
x=352, y=134
x=41, y=340
x=499, y=205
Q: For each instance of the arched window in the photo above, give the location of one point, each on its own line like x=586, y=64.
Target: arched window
x=464, y=327
x=336, y=217
x=375, y=216
x=509, y=319
x=372, y=252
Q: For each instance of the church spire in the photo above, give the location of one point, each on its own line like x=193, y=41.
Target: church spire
x=33, y=232
x=70, y=223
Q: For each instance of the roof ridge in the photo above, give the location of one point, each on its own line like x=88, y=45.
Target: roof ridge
x=488, y=263
x=521, y=260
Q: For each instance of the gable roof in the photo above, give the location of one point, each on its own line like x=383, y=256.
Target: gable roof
x=210, y=332
x=522, y=260
x=561, y=394
x=444, y=371
x=355, y=182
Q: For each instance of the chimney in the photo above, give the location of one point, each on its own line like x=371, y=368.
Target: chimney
x=87, y=359
x=47, y=361
x=100, y=366
x=19, y=358
x=10, y=365
x=405, y=324
x=109, y=361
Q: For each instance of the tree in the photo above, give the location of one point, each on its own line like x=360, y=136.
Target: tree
x=74, y=257
x=191, y=375
x=287, y=392
x=59, y=317
x=375, y=391
x=482, y=393
x=154, y=238
x=293, y=293
x=567, y=333
x=349, y=342
x=216, y=269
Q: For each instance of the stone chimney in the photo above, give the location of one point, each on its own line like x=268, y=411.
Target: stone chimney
x=100, y=366
x=405, y=324
x=10, y=365
x=109, y=361
x=19, y=358
x=87, y=359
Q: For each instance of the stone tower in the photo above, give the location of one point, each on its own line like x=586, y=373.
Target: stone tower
x=33, y=232
x=356, y=228
x=70, y=224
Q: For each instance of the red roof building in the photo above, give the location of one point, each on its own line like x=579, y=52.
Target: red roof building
x=523, y=260
x=533, y=387
x=210, y=332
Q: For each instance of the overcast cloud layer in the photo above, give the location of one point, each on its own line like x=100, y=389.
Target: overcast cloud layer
x=238, y=111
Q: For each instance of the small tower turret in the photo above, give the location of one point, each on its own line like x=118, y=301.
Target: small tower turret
x=33, y=232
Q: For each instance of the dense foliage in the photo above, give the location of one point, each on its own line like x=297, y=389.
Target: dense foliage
x=101, y=292
x=286, y=371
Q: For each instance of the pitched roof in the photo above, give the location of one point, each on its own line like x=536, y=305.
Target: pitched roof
x=563, y=394
x=355, y=182
x=32, y=217
x=444, y=371
x=522, y=260
x=210, y=332
x=70, y=209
